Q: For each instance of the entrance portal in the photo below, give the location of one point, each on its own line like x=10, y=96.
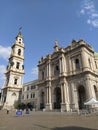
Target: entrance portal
x=42, y=105
x=81, y=97
x=57, y=98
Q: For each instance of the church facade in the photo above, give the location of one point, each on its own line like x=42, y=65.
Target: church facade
x=66, y=78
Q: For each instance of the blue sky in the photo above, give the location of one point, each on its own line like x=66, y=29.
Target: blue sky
x=43, y=22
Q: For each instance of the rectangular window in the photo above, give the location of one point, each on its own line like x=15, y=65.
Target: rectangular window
x=22, y=96
x=42, y=75
x=56, y=70
x=27, y=88
x=27, y=96
x=33, y=95
x=77, y=64
x=33, y=87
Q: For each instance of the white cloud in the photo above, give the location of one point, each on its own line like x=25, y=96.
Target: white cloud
x=95, y=23
x=89, y=5
x=89, y=21
x=93, y=15
x=35, y=71
x=5, y=52
x=2, y=76
x=88, y=9
x=82, y=11
x=2, y=69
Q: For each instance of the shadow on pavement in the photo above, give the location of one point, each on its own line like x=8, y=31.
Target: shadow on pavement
x=72, y=128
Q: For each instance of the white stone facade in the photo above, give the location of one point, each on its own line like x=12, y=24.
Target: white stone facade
x=68, y=77
x=14, y=74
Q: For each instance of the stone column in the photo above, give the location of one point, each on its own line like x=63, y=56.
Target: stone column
x=65, y=97
x=49, y=66
x=60, y=64
x=72, y=96
x=62, y=94
x=84, y=60
x=69, y=65
x=47, y=70
x=96, y=90
x=88, y=88
x=76, y=106
x=48, y=100
x=49, y=94
x=46, y=95
x=63, y=64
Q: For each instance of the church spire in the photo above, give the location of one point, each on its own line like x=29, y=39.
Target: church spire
x=19, y=37
x=20, y=33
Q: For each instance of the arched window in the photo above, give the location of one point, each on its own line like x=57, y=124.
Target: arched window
x=23, y=67
x=20, y=40
x=19, y=52
x=81, y=96
x=17, y=65
x=56, y=70
x=42, y=104
x=42, y=75
x=14, y=94
x=57, y=98
x=15, y=81
x=77, y=63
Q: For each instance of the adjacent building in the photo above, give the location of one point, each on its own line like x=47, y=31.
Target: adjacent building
x=30, y=93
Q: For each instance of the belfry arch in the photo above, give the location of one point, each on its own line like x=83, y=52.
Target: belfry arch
x=81, y=96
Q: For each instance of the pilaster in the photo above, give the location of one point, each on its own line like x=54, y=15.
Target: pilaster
x=65, y=97
x=48, y=97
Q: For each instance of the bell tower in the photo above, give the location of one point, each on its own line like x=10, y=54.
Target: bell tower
x=14, y=73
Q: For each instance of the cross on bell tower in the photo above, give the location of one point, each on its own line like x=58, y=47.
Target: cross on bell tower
x=14, y=73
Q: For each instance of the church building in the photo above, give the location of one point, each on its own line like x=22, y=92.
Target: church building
x=66, y=78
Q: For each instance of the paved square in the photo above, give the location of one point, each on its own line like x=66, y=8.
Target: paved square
x=47, y=121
